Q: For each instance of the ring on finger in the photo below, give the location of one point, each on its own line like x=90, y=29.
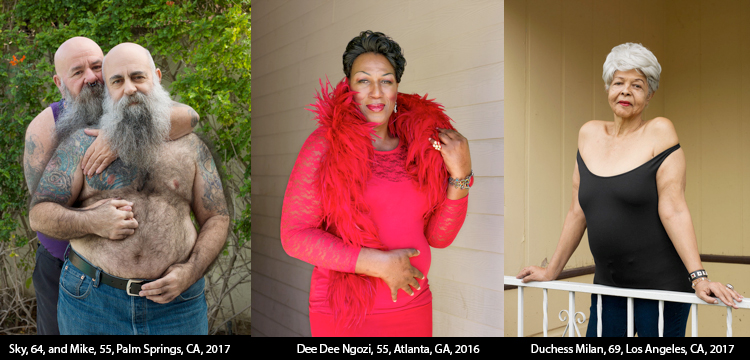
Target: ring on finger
x=730, y=287
x=437, y=145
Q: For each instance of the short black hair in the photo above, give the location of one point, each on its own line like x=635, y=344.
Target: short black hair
x=374, y=42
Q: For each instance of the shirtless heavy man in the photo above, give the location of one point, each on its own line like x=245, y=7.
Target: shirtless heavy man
x=78, y=77
x=102, y=287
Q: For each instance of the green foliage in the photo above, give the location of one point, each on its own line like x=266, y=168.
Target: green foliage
x=202, y=48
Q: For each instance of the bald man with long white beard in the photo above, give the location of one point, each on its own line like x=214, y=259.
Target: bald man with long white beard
x=151, y=281
x=78, y=63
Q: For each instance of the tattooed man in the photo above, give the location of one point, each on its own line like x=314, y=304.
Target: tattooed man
x=78, y=63
x=151, y=281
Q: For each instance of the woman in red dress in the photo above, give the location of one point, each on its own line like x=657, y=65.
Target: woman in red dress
x=383, y=178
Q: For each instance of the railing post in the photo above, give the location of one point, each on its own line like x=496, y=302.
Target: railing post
x=631, y=317
x=661, y=318
x=694, y=322
x=520, y=311
x=599, y=315
x=729, y=321
x=545, y=316
x=571, y=312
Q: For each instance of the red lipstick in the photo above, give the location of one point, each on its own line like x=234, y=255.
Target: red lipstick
x=376, y=107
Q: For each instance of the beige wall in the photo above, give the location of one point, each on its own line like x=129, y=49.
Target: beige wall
x=454, y=52
x=555, y=51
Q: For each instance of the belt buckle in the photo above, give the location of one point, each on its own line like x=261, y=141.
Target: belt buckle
x=127, y=288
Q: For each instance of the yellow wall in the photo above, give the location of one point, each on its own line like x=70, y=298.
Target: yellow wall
x=554, y=55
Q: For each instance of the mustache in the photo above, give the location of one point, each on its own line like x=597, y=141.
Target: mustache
x=81, y=111
x=138, y=100
x=89, y=91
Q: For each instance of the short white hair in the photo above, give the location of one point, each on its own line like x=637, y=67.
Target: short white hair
x=631, y=56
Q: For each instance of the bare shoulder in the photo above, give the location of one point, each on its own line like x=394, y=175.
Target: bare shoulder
x=190, y=142
x=590, y=131
x=191, y=139
x=189, y=148
x=662, y=134
x=661, y=125
x=42, y=126
x=195, y=145
x=46, y=117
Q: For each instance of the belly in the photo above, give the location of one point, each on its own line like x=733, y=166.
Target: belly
x=165, y=236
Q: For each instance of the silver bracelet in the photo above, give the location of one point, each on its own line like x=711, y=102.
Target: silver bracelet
x=462, y=184
x=698, y=274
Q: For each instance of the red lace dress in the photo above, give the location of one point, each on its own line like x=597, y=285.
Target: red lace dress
x=397, y=208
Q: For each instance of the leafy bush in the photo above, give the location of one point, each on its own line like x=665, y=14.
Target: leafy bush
x=202, y=48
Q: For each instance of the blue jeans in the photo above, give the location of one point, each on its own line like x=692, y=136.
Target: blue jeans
x=86, y=307
x=46, y=278
x=646, y=317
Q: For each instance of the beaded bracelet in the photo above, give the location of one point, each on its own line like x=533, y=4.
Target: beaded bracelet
x=462, y=184
x=697, y=280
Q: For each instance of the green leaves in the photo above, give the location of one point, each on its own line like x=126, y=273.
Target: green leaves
x=202, y=47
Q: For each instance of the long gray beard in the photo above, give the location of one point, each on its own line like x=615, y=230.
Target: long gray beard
x=82, y=111
x=135, y=132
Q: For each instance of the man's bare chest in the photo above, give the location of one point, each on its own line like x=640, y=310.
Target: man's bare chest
x=172, y=178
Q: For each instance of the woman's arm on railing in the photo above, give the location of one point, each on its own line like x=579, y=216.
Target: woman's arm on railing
x=675, y=216
x=572, y=232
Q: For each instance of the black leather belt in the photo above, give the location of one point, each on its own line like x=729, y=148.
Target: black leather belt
x=131, y=286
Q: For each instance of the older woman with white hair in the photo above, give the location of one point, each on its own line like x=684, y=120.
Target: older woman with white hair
x=629, y=191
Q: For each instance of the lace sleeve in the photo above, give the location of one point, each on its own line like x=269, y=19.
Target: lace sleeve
x=444, y=224
x=302, y=213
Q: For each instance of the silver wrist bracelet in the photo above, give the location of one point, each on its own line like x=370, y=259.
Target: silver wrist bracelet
x=462, y=184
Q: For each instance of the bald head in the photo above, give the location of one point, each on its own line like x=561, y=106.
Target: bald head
x=78, y=62
x=75, y=48
x=130, y=53
x=129, y=68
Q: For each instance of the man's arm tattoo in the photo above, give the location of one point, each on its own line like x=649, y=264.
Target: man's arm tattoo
x=193, y=118
x=193, y=115
x=56, y=183
x=33, y=170
x=213, y=192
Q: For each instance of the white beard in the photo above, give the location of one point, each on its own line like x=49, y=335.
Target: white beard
x=135, y=132
x=82, y=111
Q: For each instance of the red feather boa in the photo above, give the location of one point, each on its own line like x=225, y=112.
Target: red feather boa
x=345, y=171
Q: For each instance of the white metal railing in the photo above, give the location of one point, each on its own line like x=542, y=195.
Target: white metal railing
x=630, y=294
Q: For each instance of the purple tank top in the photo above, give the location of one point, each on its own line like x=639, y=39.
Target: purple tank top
x=56, y=247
